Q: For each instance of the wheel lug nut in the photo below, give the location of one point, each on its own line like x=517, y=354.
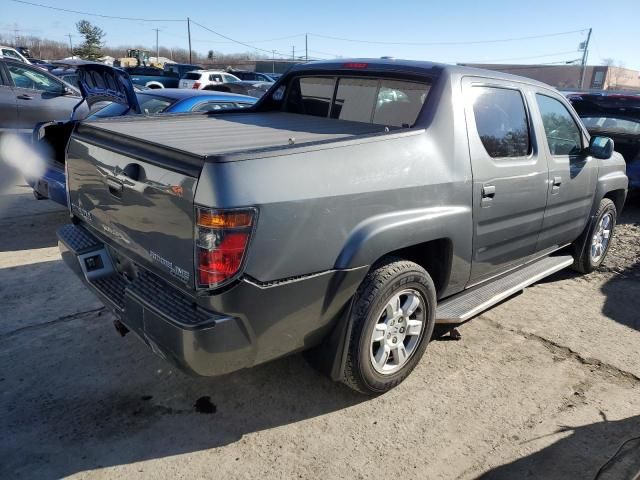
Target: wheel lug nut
x=401, y=329
x=395, y=339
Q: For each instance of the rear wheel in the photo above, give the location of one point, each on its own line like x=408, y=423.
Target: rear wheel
x=393, y=318
x=598, y=238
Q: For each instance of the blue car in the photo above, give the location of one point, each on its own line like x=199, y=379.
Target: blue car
x=160, y=101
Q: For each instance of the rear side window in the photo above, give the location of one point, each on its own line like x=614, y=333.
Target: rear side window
x=215, y=77
x=561, y=130
x=192, y=76
x=501, y=121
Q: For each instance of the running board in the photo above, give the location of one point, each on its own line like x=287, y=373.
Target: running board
x=471, y=302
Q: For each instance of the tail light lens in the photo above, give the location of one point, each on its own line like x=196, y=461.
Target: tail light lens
x=222, y=237
x=196, y=85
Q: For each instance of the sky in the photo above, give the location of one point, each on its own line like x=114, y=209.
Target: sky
x=446, y=28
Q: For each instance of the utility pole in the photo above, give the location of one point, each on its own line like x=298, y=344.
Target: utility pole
x=16, y=34
x=306, y=47
x=273, y=61
x=585, y=53
x=189, y=33
x=293, y=52
x=157, y=46
x=70, y=44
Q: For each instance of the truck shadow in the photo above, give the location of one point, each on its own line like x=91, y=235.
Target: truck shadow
x=622, y=290
x=77, y=397
x=581, y=454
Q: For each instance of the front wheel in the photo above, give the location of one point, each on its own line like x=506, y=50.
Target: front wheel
x=598, y=238
x=393, y=318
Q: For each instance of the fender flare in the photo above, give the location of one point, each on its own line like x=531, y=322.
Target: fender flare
x=154, y=84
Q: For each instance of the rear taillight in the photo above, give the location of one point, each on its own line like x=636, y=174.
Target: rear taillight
x=222, y=237
x=196, y=85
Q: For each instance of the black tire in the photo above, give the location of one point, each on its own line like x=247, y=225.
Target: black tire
x=384, y=281
x=585, y=261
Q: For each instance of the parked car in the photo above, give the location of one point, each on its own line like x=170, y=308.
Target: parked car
x=30, y=95
x=200, y=79
x=167, y=77
x=615, y=115
x=52, y=183
x=12, y=53
x=251, y=76
x=244, y=87
x=350, y=210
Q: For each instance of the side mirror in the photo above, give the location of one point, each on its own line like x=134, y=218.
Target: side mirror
x=601, y=147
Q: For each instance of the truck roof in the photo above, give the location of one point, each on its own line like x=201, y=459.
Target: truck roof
x=417, y=67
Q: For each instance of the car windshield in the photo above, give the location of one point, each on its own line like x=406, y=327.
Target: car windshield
x=149, y=104
x=612, y=124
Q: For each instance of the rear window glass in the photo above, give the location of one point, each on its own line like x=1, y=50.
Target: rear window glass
x=311, y=96
x=191, y=76
x=387, y=102
x=501, y=121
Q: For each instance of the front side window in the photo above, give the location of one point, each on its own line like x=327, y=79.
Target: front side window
x=501, y=121
x=216, y=77
x=24, y=77
x=563, y=134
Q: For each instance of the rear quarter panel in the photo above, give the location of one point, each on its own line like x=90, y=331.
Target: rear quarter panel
x=346, y=204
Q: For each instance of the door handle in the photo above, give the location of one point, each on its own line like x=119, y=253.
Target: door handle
x=555, y=185
x=488, y=191
x=25, y=97
x=115, y=186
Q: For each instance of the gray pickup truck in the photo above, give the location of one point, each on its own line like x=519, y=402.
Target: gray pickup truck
x=358, y=204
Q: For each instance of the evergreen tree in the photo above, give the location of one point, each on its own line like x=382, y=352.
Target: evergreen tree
x=91, y=48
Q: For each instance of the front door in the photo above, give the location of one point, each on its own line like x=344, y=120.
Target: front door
x=40, y=96
x=573, y=173
x=8, y=105
x=509, y=176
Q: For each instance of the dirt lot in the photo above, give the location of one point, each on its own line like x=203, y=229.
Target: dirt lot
x=546, y=385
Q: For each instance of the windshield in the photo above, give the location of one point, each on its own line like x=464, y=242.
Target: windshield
x=149, y=104
x=613, y=125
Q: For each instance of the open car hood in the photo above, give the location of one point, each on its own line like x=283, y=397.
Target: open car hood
x=101, y=83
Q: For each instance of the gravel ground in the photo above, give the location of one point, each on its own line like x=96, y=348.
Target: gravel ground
x=545, y=385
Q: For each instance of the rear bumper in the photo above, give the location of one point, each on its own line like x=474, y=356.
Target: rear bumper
x=261, y=321
x=166, y=319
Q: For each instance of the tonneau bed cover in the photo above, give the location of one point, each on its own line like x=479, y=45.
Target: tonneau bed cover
x=209, y=135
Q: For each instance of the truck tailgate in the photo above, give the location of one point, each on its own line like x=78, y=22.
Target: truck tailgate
x=139, y=203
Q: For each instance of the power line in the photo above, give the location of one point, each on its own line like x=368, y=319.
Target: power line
x=471, y=42
x=238, y=41
x=98, y=14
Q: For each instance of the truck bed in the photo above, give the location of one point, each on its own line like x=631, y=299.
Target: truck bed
x=210, y=135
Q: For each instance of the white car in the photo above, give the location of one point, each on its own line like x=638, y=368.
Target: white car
x=199, y=79
x=10, y=52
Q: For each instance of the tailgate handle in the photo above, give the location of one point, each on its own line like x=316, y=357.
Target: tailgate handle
x=115, y=186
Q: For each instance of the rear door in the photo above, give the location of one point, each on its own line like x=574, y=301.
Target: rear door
x=572, y=171
x=8, y=104
x=40, y=97
x=509, y=176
